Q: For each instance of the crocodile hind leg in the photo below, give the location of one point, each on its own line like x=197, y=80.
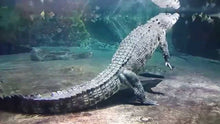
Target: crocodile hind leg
x=131, y=79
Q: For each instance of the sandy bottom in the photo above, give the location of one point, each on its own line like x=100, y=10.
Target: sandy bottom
x=190, y=94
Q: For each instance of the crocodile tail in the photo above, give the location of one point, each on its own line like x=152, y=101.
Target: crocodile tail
x=19, y=103
x=70, y=100
x=31, y=105
x=61, y=103
x=10, y=103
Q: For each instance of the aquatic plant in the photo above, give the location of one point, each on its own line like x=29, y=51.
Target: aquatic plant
x=59, y=30
x=78, y=32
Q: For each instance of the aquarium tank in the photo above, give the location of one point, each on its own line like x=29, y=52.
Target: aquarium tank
x=109, y=61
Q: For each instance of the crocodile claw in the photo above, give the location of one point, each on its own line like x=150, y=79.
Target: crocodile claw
x=149, y=102
x=143, y=102
x=169, y=65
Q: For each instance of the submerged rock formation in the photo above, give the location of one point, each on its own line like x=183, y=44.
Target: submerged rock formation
x=53, y=53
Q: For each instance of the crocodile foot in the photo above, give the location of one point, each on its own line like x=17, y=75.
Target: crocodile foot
x=149, y=102
x=146, y=101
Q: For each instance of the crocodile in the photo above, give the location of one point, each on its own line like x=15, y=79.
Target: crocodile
x=129, y=60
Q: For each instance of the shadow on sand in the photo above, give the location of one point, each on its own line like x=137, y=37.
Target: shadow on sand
x=125, y=95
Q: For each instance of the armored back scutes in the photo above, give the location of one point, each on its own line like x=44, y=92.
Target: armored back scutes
x=164, y=20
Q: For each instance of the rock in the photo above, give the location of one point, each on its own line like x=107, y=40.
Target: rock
x=46, y=54
x=56, y=53
x=146, y=119
x=83, y=55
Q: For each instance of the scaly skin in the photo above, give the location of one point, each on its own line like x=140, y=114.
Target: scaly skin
x=175, y=4
x=129, y=59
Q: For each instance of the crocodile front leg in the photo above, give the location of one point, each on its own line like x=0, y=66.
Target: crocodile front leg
x=131, y=79
x=164, y=47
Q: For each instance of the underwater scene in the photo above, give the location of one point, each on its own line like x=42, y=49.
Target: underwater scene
x=109, y=62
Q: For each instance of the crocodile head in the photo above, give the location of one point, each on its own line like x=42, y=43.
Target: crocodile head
x=165, y=20
x=175, y=4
